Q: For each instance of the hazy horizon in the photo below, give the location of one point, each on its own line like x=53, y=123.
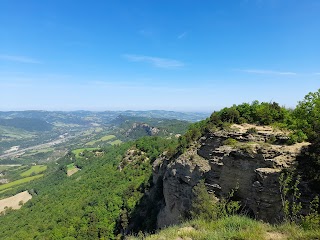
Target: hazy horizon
x=119, y=110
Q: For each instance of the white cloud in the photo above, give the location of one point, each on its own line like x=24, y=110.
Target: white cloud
x=182, y=35
x=266, y=72
x=20, y=59
x=155, y=61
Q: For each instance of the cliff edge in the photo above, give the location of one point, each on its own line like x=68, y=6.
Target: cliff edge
x=246, y=157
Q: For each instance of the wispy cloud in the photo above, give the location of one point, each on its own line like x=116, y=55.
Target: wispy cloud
x=155, y=61
x=266, y=72
x=145, y=32
x=20, y=59
x=182, y=35
x=317, y=73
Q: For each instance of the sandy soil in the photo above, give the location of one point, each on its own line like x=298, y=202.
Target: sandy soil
x=73, y=171
x=275, y=236
x=242, y=128
x=14, y=200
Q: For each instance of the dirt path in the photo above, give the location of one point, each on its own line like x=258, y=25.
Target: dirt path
x=14, y=200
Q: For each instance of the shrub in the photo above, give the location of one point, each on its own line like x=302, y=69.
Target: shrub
x=252, y=130
x=312, y=220
x=230, y=142
x=297, y=136
x=208, y=207
x=272, y=139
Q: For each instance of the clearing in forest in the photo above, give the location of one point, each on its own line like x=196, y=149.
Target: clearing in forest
x=16, y=201
x=103, y=139
x=20, y=181
x=72, y=169
x=34, y=170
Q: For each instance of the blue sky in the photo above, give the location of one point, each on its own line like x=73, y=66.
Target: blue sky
x=182, y=55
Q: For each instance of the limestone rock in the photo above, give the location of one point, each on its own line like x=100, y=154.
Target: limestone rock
x=251, y=166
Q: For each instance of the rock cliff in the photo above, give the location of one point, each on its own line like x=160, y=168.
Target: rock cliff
x=246, y=157
x=149, y=130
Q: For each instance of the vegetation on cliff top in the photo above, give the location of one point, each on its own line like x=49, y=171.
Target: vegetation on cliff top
x=303, y=122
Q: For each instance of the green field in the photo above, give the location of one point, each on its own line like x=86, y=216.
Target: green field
x=7, y=189
x=99, y=129
x=4, y=167
x=70, y=166
x=115, y=142
x=34, y=152
x=34, y=169
x=103, y=139
x=80, y=150
x=20, y=181
x=45, y=150
x=14, y=133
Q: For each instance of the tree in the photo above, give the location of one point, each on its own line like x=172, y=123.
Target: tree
x=307, y=115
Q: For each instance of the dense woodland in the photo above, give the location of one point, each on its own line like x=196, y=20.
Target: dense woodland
x=99, y=200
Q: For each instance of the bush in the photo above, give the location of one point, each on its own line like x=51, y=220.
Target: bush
x=272, y=139
x=297, y=136
x=252, y=130
x=312, y=220
x=230, y=142
x=208, y=207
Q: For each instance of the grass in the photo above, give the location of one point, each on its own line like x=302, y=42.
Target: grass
x=20, y=181
x=107, y=138
x=116, y=142
x=34, y=170
x=70, y=166
x=15, y=133
x=98, y=130
x=234, y=227
x=103, y=139
x=80, y=150
x=4, y=167
x=2, y=191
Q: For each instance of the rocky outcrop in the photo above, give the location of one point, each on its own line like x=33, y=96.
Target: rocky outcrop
x=151, y=131
x=250, y=164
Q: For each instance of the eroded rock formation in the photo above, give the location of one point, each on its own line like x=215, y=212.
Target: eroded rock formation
x=251, y=165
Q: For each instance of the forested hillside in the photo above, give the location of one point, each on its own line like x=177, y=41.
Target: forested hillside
x=110, y=193
x=28, y=124
x=93, y=203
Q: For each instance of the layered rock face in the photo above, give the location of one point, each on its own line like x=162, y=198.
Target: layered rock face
x=249, y=165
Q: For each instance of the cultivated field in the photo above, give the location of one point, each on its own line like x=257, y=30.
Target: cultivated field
x=16, y=201
x=78, y=151
x=116, y=142
x=103, y=139
x=34, y=170
x=20, y=181
x=72, y=169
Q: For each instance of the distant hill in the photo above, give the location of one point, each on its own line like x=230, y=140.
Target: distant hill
x=28, y=124
x=135, y=127
x=87, y=117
